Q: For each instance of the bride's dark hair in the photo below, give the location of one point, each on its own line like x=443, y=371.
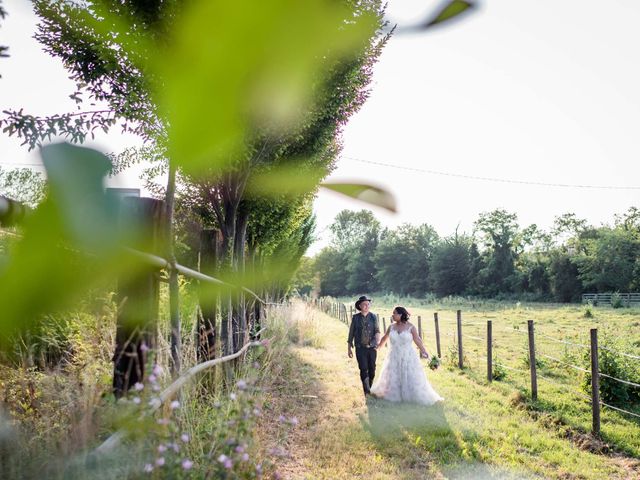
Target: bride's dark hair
x=404, y=314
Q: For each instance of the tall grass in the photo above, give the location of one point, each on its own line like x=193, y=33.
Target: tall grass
x=57, y=408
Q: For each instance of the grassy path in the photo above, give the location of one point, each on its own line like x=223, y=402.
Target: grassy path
x=479, y=432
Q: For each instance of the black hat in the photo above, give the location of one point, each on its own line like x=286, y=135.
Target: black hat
x=362, y=299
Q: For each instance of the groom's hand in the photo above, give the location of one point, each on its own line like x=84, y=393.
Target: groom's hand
x=350, y=352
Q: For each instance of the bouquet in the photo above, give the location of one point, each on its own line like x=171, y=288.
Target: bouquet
x=434, y=363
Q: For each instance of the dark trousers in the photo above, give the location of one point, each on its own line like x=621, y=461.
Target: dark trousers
x=366, y=362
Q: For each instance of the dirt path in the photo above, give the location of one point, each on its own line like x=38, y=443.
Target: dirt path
x=339, y=434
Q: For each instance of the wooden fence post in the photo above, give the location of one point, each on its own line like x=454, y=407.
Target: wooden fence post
x=420, y=327
x=532, y=361
x=489, y=352
x=595, y=382
x=460, y=353
x=435, y=320
x=138, y=294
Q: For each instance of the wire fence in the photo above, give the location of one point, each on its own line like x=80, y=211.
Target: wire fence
x=531, y=355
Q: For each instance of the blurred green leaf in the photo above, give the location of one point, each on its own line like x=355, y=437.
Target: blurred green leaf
x=449, y=11
x=70, y=242
x=233, y=68
x=366, y=193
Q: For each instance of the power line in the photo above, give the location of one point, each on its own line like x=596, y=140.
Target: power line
x=493, y=179
x=21, y=164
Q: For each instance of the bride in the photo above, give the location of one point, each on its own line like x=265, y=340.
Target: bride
x=403, y=378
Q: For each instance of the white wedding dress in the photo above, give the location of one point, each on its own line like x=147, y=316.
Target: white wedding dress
x=403, y=378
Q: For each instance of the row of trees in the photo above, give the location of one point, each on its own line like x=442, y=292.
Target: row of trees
x=498, y=258
x=236, y=149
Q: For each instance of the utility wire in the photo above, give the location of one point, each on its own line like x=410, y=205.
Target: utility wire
x=493, y=179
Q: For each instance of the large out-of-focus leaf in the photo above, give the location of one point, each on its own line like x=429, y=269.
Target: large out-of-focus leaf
x=292, y=181
x=289, y=180
x=70, y=242
x=449, y=11
x=232, y=68
x=366, y=193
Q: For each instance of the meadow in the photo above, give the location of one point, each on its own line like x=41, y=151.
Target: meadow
x=562, y=339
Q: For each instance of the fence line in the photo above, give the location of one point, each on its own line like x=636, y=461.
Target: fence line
x=564, y=341
x=564, y=363
x=169, y=392
x=474, y=338
x=159, y=262
x=618, y=379
x=511, y=368
x=620, y=409
x=628, y=355
x=594, y=399
x=564, y=386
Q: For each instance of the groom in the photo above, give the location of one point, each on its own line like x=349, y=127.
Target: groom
x=365, y=333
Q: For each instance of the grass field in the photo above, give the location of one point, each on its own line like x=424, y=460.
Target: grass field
x=481, y=431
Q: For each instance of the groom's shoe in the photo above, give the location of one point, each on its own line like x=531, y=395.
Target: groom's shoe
x=365, y=386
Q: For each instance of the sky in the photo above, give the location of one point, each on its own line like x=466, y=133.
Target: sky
x=538, y=91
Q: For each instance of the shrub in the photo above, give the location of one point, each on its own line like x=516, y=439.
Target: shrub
x=613, y=364
x=616, y=300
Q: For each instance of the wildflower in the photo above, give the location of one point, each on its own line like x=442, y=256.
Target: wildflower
x=257, y=412
x=222, y=458
x=160, y=461
x=187, y=464
x=245, y=457
x=184, y=437
x=163, y=421
x=265, y=343
x=232, y=396
x=136, y=400
x=282, y=418
x=153, y=378
x=138, y=386
x=162, y=448
x=175, y=404
x=241, y=384
x=228, y=464
x=239, y=449
x=144, y=347
x=157, y=370
x=293, y=420
x=148, y=468
x=155, y=388
x=256, y=365
x=175, y=446
x=217, y=404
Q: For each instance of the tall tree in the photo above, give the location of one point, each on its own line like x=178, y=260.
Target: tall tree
x=451, y=266
x=499, y=230
x=403, y=259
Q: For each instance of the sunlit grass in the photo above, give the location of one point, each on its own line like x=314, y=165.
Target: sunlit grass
x=479, y=432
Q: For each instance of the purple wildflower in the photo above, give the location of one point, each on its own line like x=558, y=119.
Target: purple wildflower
x=187, y=464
